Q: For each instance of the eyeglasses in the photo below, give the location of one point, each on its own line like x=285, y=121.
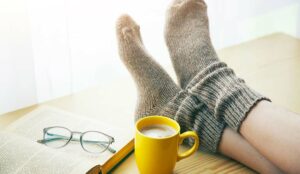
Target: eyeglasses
x=91, y=141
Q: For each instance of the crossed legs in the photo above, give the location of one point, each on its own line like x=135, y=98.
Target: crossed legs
x=221, y=106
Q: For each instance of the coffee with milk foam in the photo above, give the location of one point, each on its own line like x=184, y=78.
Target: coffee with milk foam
x=158, y=131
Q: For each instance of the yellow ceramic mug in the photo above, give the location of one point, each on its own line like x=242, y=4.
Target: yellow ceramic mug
x=159, y=155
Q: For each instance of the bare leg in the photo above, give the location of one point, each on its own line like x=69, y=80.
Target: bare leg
x=235, y=146
x=275, y=133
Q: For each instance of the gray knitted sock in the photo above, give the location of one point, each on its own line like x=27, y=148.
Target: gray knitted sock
x=187, y=38
x=198, y=67
x=158, y=94
x=154, y=85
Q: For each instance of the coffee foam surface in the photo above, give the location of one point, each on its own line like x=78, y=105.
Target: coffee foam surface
x=158, y=131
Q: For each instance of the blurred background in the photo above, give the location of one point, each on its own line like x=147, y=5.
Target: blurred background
x=54, y=48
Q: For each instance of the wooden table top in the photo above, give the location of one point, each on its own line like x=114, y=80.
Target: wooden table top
x=270, y=64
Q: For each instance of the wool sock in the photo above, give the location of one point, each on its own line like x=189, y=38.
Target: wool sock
x=155, y=87
x=187, y=38
x=158, y=94
x=198, y=67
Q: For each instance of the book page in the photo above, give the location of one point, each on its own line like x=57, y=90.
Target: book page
x=21, y=156
x=31, y=127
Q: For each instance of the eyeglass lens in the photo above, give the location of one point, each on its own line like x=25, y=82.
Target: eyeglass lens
x=95, y=142
x=57, y=137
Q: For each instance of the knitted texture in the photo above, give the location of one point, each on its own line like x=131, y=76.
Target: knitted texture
x=194, y=115
x=198, y=67
x=155, y=87
x=159, y=95
x=187, y=38
x=223, y=92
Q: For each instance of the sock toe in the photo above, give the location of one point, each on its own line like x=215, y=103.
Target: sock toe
x=127, y=28
x=186, y=6
x=129, y=40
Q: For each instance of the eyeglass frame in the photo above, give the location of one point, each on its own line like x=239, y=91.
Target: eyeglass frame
x=110, y=138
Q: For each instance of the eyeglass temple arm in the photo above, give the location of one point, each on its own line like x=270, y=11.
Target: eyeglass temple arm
x=61, y=137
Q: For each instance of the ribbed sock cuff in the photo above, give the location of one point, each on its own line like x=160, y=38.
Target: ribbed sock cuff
x=194, y=115
x=236, y=105
x=223, y=92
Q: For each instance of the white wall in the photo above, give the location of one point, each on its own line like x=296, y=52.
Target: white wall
x=53, y=48
x=235, y=21
x=17, y=81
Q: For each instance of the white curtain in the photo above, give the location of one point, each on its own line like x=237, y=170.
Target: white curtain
x=53, y=48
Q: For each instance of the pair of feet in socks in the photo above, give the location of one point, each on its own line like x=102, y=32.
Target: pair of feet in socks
x=210, y=96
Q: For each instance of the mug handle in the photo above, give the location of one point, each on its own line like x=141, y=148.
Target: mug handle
x=188, y=134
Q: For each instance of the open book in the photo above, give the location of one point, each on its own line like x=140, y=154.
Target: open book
x=20, y=152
